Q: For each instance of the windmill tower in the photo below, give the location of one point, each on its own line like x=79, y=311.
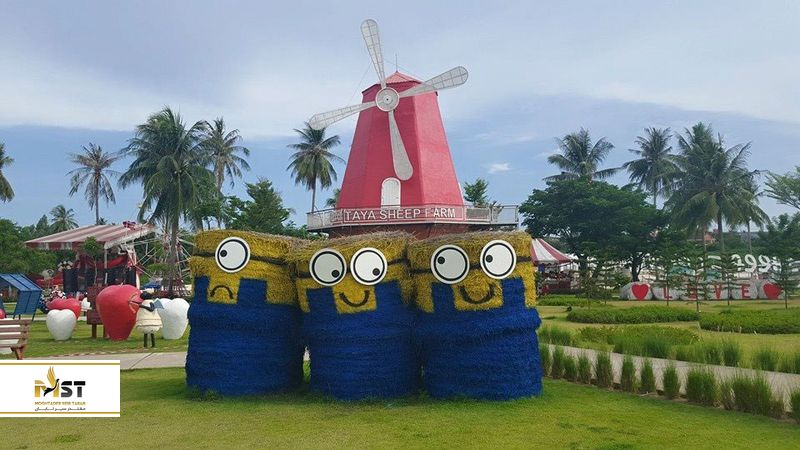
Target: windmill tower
x=399, y=173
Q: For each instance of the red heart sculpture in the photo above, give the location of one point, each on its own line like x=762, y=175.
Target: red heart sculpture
x=117, y=314
x=640, y=291
x=66, y=303
x=772, y=290
x=2, y=313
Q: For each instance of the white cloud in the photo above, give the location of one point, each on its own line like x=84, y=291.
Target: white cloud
x=499, y=167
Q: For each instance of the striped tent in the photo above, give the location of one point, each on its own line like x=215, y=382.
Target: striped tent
x=107, y=235
x=544, y=253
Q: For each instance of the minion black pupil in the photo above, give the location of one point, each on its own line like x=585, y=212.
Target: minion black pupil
x=440, y=260
x=489, y=258
x=376, y=271
x=335, y=273
x=223, y=253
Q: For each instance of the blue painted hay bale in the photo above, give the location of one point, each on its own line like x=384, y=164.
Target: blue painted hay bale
x=359, y=336
x=478, y=335
x=245, y=335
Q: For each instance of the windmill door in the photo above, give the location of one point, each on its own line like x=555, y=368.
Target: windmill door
x=390, y=192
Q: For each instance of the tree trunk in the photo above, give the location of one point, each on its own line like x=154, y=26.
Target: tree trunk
x=719, y=231
x=96, y=211
x=314, y=197
x=749, y=239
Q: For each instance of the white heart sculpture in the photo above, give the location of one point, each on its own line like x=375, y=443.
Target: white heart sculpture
x=61, y=324
x=174, y=317
x=625, y=292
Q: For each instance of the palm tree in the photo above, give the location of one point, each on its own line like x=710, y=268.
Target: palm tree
x=223, y=147
x=312, y=162
x=63, y=219
x=751, y=213
x=714, y=181
x=655, y=169
x=6, y=192
x=331, y=201
x=579, y=158
x=172, y=167
x=93, y=171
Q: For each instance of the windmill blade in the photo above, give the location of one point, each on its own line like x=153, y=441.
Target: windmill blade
x=369, y=29
x=402, y=166
x=452, y=78
x=323, y=120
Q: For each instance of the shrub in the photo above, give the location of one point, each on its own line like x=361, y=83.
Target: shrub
x=627, y=380
x=584, y=369
x=772, y=321
x=567, y=301
x=712, y=352
x=555, y=335
x=647, y=378
x=570, y=369
x=672, y=383
x=726, y=396
x=643, y=340
x=790, y=363
x=795, y=401
x=701, y=387
x=545, y=356
x=644, y=314
x=603, y=371
x=765, y=359
x=557, y=369
x=690, y=353
x=731, y=353
x=754, y=395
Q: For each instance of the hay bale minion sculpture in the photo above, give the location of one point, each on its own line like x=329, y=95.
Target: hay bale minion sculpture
x=477, y=320
x=357, y=322
x=245, y=324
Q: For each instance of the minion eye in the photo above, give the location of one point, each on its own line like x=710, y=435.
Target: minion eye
x=232, y=254
x=368, y=266
x=498, y=259
x=449, y=264
x=327, y=267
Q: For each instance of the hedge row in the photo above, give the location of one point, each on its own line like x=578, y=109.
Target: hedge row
x=773, y=321
x=644, y=314
x=567, y=301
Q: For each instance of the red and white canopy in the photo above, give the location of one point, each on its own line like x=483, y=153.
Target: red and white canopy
x=544, y=253
x=107, y=235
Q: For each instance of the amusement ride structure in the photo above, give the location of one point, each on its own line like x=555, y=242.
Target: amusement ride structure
x=400, y=174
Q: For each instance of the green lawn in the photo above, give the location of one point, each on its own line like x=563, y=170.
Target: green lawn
x=41, y=344
x=156, y=413
x=556, y=315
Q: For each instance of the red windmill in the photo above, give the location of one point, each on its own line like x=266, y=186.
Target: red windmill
x=399, y=173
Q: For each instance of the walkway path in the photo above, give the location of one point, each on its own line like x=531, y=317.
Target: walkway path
x=783, y=384
x=130, y=361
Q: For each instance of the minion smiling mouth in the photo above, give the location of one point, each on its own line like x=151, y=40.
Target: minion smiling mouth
x=363, y=302
x=489, y=295
x=214, y=289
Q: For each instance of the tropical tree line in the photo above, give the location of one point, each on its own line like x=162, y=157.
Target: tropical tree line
x=702, y=181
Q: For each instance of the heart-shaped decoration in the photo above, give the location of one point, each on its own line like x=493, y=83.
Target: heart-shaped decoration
x=117, y=311
x=66, y=303
x=174, y=317
x=61, y=323
x=771, y=291
x=2, y=313
x=640, y=291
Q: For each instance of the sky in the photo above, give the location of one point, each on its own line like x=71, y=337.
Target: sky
x=90, y=71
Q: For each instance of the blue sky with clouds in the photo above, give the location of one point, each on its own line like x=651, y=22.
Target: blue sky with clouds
x=81, y=71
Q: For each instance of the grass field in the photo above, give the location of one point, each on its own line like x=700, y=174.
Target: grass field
x=157, y=413
x=41, y=344
x=556, y=315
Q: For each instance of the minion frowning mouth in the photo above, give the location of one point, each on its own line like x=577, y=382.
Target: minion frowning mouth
x=226, y=288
